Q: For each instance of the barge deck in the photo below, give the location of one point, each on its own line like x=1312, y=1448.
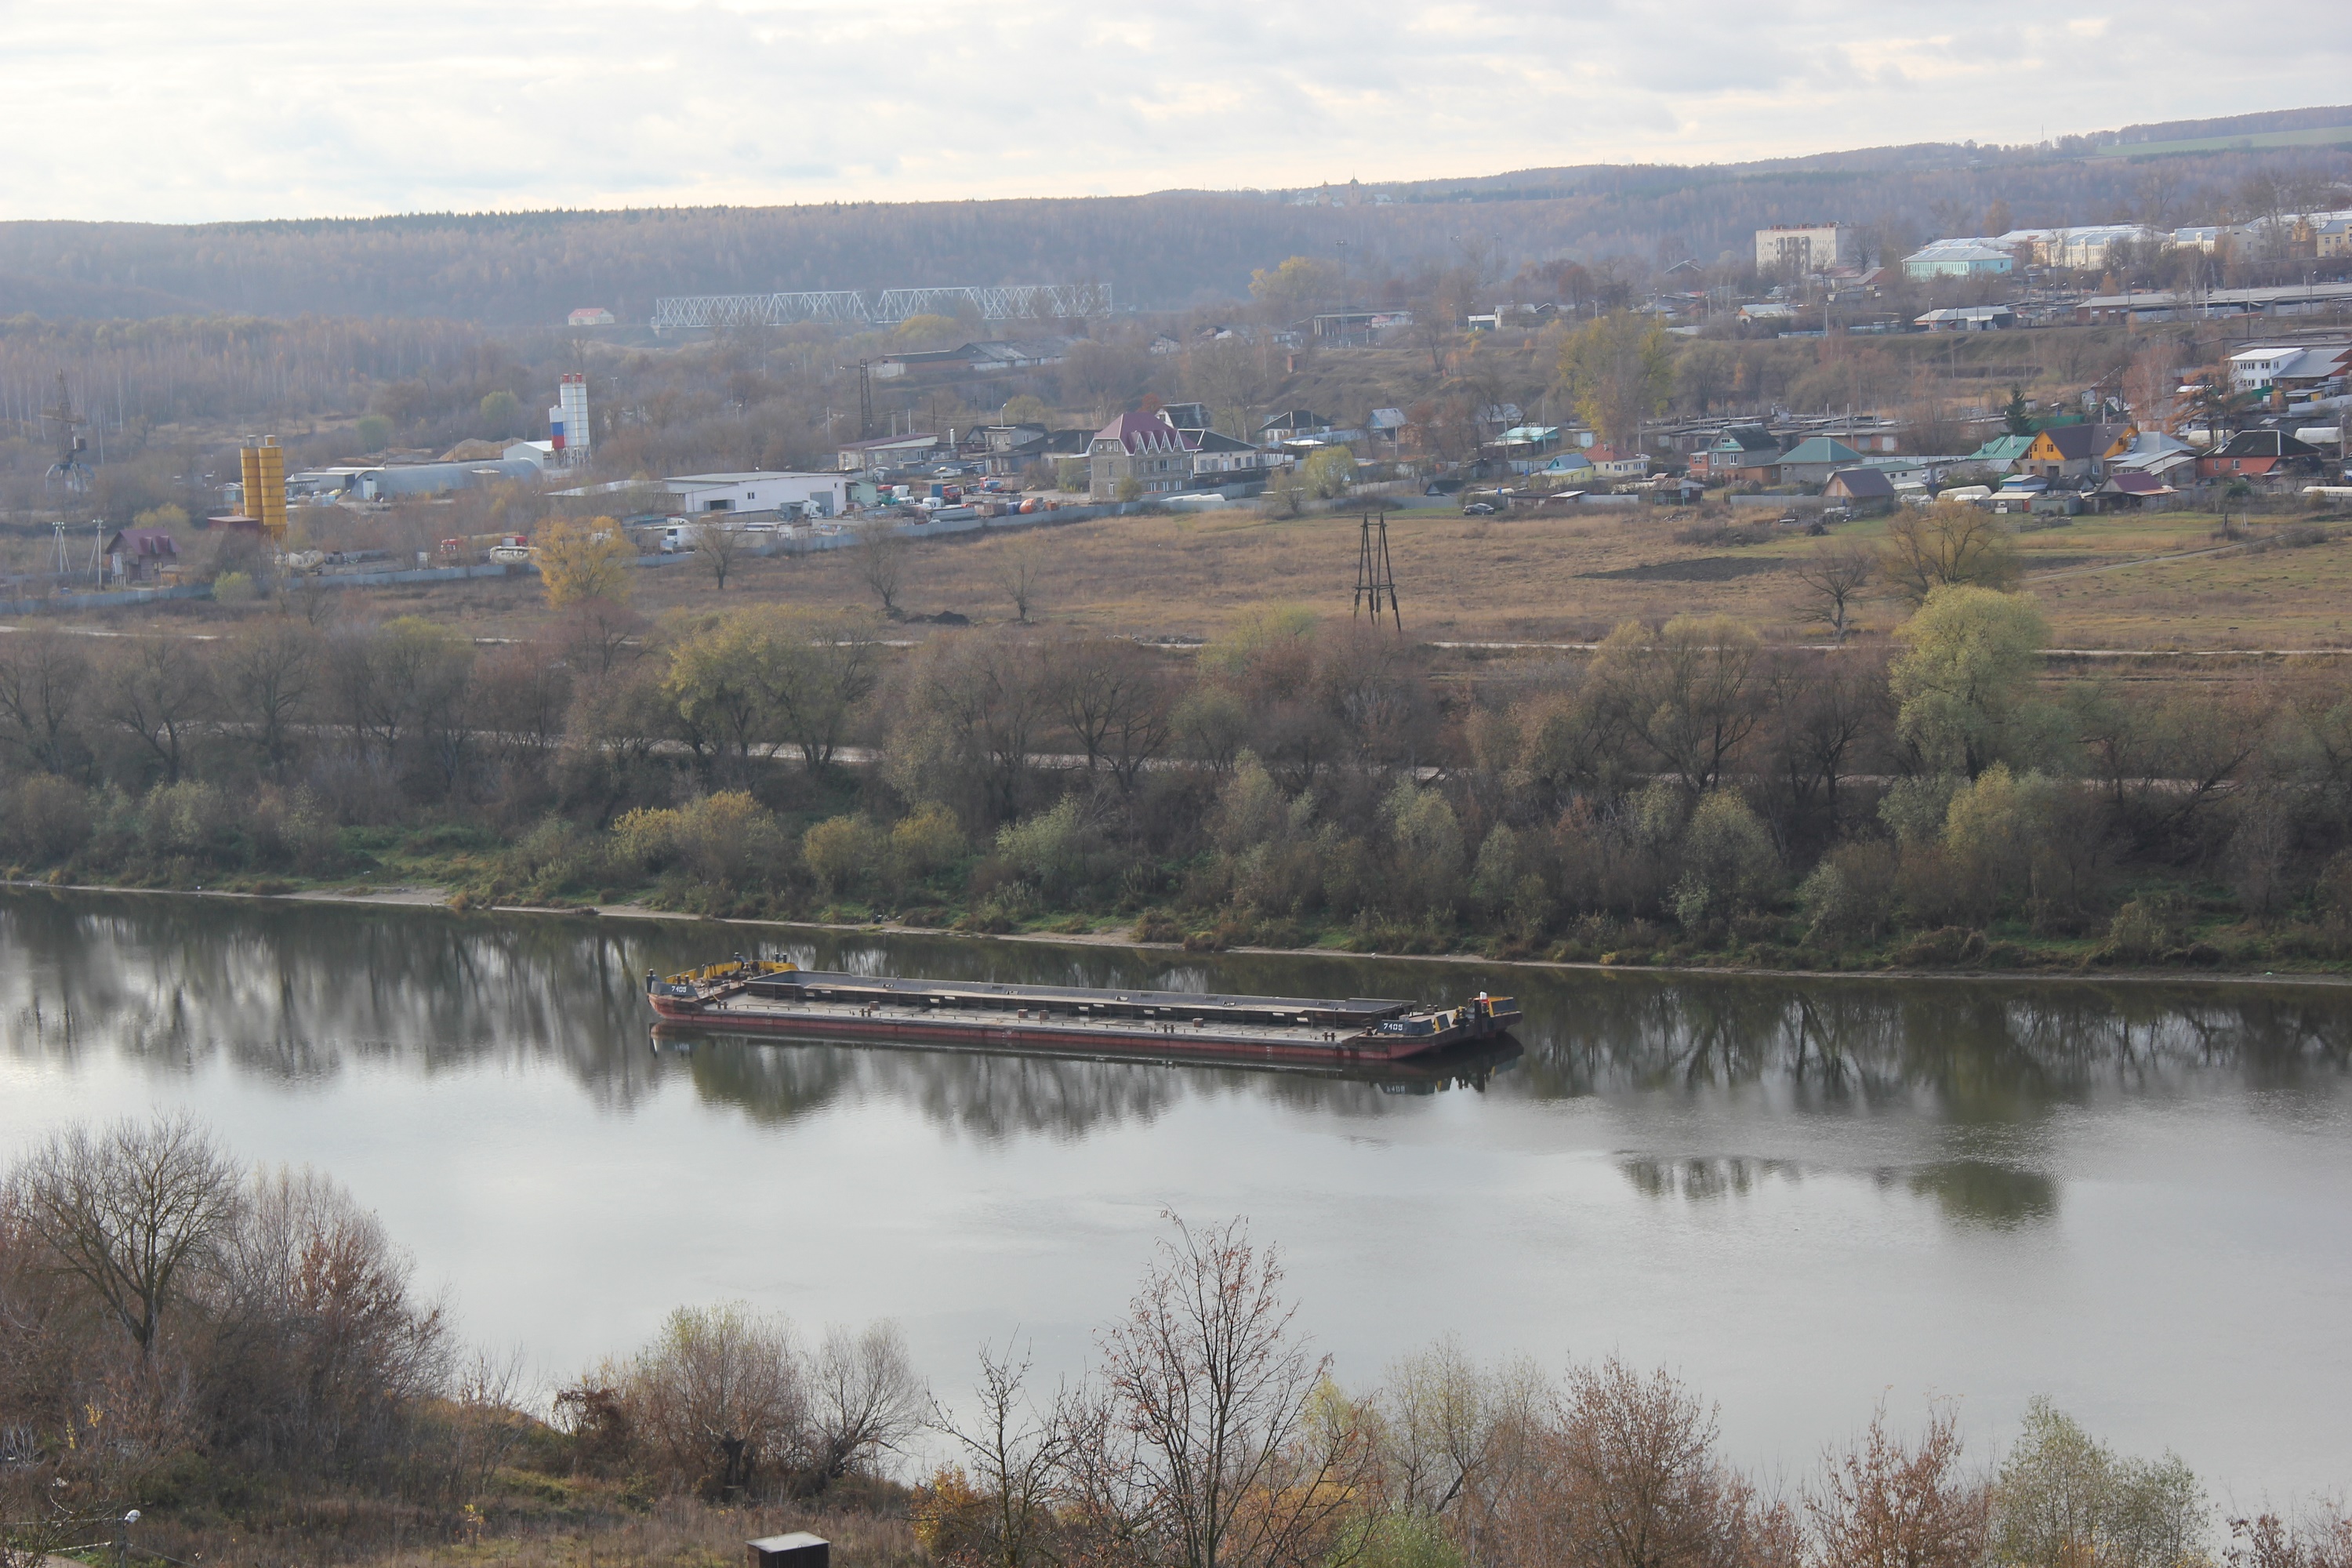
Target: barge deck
x=755, y=997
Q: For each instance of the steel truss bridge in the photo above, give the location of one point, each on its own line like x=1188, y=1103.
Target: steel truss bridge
x=1010, y=302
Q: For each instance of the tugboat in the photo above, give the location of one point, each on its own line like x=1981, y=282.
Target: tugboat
x=769, y=997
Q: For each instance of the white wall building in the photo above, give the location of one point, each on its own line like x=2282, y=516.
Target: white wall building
x=1805, y=248
x=824, y=495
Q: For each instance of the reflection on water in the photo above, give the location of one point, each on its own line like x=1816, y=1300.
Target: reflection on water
x=303, y=993
x=1698, y=1180
x=1978, y=1192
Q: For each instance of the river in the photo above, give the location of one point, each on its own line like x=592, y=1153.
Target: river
x=1799, y=1194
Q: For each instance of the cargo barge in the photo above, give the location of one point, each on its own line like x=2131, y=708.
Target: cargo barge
x=764, y=997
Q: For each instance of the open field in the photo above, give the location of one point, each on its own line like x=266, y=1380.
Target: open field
x=2156, y=582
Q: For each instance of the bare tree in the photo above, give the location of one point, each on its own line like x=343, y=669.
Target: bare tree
x=882, y=562
x=1882, y=1505
x=718, y=547
x=1115, y=697
x=867, y=1398
x=1204, y=1374
x=269, y=670
x=128, y=1211
x=159, y=689
x=42, y=673
x=1684, y=691
x=1019, y=1454
x=1836, y=573
x=1017, y=567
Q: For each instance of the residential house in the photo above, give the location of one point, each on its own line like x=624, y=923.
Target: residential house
x=1387, y=425
x=2130, y=490
x=2157, y=456
x=2332, y=240
x=2076, y=451
x=2000, y=454
x=1768, y=312
x=1139, y=446
x=1611, y=464
x=2259, y=453
x=591, y=316
x=1290, y=425
x=140, y=554
x=1571, y=466
x=1741, y=447
x=1813, y=461
x=1187, y=415
x=1219, y=460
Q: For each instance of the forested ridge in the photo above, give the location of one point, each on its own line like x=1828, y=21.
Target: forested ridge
x=1165, y=250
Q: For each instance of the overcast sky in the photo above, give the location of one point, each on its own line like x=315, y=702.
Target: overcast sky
x=165, y=111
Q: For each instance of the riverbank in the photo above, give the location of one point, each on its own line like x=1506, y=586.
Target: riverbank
x=2057, y=961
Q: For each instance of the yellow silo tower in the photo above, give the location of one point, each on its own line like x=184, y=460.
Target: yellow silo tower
x=261, y=464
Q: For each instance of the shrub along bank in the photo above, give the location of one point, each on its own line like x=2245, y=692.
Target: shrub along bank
x=1687, y=794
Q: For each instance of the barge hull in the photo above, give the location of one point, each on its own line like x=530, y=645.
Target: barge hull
x=1096, y=1039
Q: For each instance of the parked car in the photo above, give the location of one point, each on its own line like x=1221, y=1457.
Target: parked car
x=1479, y=509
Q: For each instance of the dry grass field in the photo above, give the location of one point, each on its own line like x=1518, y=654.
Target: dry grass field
x=2160, y=581
x=2156, y=581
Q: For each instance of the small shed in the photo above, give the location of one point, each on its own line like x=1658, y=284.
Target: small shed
x=798, y=1550
x=1860, y=488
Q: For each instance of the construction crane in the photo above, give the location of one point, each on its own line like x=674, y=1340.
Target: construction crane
x=68, y=470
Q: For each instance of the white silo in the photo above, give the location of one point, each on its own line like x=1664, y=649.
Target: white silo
x=568, y=420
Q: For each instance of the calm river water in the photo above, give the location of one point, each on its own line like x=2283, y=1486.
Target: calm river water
x=2136, y=1198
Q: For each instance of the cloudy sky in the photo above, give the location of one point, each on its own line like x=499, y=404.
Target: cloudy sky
x=163, y=110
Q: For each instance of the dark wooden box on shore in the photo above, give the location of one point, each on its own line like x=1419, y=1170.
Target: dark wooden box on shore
x=798, y=1550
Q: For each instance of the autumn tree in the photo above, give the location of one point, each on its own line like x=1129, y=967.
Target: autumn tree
x=579, y=560
x=1950, y=542
x=1018, y=1453
x=1964, y=683
x=1619, y=370
x=1682, y=693
x=1881, y=1504
x=721, y=1393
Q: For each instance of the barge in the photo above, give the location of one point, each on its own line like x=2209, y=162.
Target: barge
x=766, y=998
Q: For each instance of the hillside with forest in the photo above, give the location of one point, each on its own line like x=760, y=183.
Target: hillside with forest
x=1163, y=251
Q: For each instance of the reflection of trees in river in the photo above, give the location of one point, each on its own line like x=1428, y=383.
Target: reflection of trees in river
x=1978, y=1192
x=1976, y=1051
x=299, y=993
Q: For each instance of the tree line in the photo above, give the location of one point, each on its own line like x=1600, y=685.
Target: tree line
x=1687, y=789
x=223, y=1345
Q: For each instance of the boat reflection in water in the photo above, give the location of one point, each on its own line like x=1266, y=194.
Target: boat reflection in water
x=1470, y=1065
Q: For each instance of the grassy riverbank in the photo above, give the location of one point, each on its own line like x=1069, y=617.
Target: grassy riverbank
x=2162, y=930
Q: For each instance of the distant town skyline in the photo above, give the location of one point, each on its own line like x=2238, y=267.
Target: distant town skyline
x=128, y=110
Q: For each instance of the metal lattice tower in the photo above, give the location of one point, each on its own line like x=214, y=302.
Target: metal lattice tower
x=1008, y=302
x=1375, y=577
x=68, y=469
